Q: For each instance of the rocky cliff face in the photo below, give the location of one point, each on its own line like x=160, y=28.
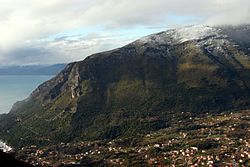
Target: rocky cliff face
x=137, y=88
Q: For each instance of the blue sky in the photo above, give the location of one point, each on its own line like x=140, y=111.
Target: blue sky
x=62, y=31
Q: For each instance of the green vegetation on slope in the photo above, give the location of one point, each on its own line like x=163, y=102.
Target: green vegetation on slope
x=132, y=90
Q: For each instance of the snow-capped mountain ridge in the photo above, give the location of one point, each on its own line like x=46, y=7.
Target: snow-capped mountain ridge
x=197, y=32
x=181, y=35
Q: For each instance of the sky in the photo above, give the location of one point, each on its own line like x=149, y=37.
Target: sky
x=63, y=31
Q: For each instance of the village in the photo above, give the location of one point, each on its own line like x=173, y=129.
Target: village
x=222, y=140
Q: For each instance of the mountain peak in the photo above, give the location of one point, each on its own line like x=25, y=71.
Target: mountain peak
x=181, y=35
x=196, y=32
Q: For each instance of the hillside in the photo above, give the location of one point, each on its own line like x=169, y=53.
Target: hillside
x=134, y=89
x=211, y=140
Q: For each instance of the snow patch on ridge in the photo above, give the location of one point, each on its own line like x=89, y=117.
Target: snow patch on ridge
x=180, y=35
x=195, y=33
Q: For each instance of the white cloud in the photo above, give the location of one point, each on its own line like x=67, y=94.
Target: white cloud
x=63, y=49
x=24, y=22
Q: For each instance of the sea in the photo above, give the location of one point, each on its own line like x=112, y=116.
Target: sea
x=14, y=88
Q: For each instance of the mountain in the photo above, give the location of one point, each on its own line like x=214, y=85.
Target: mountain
x=32, y=69
x=138, y=88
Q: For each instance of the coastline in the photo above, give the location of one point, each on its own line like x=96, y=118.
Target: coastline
x=16, y=88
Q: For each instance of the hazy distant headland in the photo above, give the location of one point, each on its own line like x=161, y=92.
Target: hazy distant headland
x=32, y=69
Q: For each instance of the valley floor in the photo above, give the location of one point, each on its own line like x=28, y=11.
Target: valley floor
x=214, y=140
